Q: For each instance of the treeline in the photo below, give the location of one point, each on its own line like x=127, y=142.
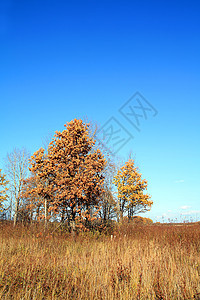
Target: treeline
x=71, y=181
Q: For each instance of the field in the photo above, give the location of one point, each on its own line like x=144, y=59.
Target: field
x=136, y=262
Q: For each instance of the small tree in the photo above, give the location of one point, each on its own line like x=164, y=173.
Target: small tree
x=3, y=189
x=16, y=170
x=108, y=209
x=131, y=188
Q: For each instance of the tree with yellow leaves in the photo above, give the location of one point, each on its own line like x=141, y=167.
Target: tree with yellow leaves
x=131, y=190
x=3, y=189
x=69, y=176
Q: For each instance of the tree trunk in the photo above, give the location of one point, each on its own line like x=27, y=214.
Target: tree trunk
x=16, y=211
x=45, y=214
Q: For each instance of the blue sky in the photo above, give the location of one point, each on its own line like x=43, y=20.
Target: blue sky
x=61, y=60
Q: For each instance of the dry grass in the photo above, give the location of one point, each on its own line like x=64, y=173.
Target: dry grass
x=148, y=262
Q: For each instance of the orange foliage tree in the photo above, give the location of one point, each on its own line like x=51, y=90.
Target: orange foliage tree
x=131, y=190
x=69, y=177
x=32, y=203
x=143, y=221
x=3, y=189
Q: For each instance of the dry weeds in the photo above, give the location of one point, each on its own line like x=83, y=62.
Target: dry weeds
x=147, y=262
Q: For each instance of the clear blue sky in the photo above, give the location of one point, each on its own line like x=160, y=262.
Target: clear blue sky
x=61, y=60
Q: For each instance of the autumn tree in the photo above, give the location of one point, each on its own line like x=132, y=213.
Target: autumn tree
x=3, y=189
x=131, y=190
x=16, y=169
x=70, y=175
x=43, y=177
x=108, y=202
x=142, y=221
x=31, y=202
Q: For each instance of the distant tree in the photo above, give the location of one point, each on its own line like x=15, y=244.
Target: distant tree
x=3, y=189
x=70, y=176
x=143, y=221
x=131, y=190
x=16, y=170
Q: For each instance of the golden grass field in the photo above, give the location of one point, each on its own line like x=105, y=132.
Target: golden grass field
x=139, y=262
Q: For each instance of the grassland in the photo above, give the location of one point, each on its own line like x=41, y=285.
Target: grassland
x=138, y=262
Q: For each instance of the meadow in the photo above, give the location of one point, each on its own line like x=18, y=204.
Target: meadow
x=136, y=262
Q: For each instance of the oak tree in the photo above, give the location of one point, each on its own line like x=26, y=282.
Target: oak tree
x=132, y=197
x=3, y=189
x=32, y=207
x=70, y=176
